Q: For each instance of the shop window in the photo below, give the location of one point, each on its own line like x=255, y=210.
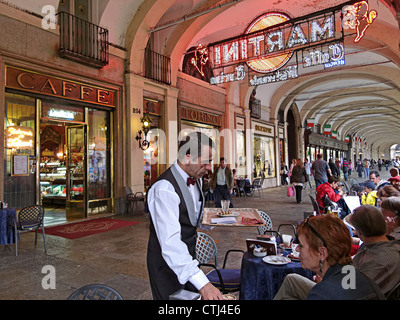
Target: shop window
x=99, y=154
x=264, y=157
x=241, y=154
x=20, y=158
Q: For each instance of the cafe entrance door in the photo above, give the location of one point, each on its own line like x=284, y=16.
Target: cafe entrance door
x=76, y=171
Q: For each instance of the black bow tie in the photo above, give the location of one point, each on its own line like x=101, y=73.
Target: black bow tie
x=190, y=181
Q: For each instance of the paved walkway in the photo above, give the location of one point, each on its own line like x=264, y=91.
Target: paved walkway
x=118, y=258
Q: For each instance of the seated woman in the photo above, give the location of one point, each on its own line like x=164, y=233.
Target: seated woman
x=390, y=208
x=334, y=192
x=324, y=248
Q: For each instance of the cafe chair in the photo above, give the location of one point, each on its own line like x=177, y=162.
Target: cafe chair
x=29, y=218
x=226, y=280
x=240, y=184
x=129, y=200
x=268, y=223
x=139, y=197
x=256, y=186
x=315, y=204
x=95, y=292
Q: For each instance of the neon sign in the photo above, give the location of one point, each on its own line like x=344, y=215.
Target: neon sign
x=200, y=58
x=18, y=137
x=269, y=49
x=358, y=17
x=61, y=114
x=329, y=56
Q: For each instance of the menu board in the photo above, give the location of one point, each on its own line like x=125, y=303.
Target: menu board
x=20, y=165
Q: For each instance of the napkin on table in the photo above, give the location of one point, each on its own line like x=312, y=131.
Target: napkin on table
x=225, y=220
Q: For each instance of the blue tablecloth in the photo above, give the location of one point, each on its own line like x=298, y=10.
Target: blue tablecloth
x=261, y=281
x=6, y=233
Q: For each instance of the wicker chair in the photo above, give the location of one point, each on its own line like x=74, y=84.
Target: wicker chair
x=268, y=223
x=28, y=219
x=226, y=280
x=95, y=292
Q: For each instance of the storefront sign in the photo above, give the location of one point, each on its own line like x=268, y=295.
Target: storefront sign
x=330, y=56
x=263, y=130
x=279, y=75
x=40, y=83
x=19, y=137
x=271, y=40
x=200, y=116
x=238, y=75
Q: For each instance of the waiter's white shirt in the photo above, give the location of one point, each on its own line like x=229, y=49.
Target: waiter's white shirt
x=163, y=203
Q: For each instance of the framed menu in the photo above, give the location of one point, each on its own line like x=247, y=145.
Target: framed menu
x=19, y=165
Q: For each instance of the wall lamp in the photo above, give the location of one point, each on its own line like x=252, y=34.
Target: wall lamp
x=146, y=124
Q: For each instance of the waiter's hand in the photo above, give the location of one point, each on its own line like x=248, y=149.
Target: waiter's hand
x=209, y=292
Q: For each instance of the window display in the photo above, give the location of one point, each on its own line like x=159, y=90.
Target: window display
x=264, y=157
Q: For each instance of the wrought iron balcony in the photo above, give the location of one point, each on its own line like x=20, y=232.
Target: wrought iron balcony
x=157, y=67
x=82, y=41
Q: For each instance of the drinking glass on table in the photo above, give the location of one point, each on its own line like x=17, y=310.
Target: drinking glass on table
x=225, y=205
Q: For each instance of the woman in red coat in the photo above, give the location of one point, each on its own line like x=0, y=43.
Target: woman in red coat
x=329, y=189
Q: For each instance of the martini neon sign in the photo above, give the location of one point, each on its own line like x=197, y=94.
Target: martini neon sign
x=270, y=40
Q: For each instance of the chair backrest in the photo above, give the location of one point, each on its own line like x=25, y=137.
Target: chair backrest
x=139, y=195
x=268, y=223
x=206, y=249
x=241, y=183
x=315, y=204
x=30, y=217
x=95, y=292
x=257, y=183
x=128, y=191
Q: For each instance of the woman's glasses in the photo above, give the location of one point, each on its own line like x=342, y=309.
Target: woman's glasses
x=307, y=222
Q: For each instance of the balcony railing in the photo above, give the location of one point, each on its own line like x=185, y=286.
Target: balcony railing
x=157, y=67
x=83, y=41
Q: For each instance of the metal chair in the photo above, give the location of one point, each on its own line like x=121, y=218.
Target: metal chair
x=268, y=223
x=256, y=186
x=28, y=219
x=315, y=204
x=95, y=292
x=129, y=199
x=226, y=280
x=240, y=184
x=138, y=197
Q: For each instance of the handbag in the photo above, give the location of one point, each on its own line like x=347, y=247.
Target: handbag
x=290, y=191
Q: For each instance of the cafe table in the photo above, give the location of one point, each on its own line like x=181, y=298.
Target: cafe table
x=236, y=217
x=261, y=280
x=6, y=233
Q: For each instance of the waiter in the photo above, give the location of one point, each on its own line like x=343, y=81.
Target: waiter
x=222, y=183
x=175, y=203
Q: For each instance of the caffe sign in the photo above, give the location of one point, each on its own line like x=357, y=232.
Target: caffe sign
x=25, y=80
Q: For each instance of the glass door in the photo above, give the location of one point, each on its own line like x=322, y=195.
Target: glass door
x=76, y=171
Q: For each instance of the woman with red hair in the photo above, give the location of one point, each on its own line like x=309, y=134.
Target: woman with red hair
x=324, y=246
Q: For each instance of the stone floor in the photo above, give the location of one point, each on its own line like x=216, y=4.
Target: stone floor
x=118, y=257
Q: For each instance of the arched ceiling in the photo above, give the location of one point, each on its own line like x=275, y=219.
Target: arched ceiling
x=361, y=98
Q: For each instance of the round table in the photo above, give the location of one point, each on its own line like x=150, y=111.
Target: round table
x=261, y=281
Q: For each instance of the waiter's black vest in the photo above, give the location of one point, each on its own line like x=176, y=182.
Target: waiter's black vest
x=162, y=279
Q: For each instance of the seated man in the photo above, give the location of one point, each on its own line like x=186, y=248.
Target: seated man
x=376, y=179
x=368, y=195
x=334, y=192
x=378, y=257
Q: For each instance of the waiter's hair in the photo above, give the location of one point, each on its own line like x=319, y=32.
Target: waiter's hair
x=193, y=144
